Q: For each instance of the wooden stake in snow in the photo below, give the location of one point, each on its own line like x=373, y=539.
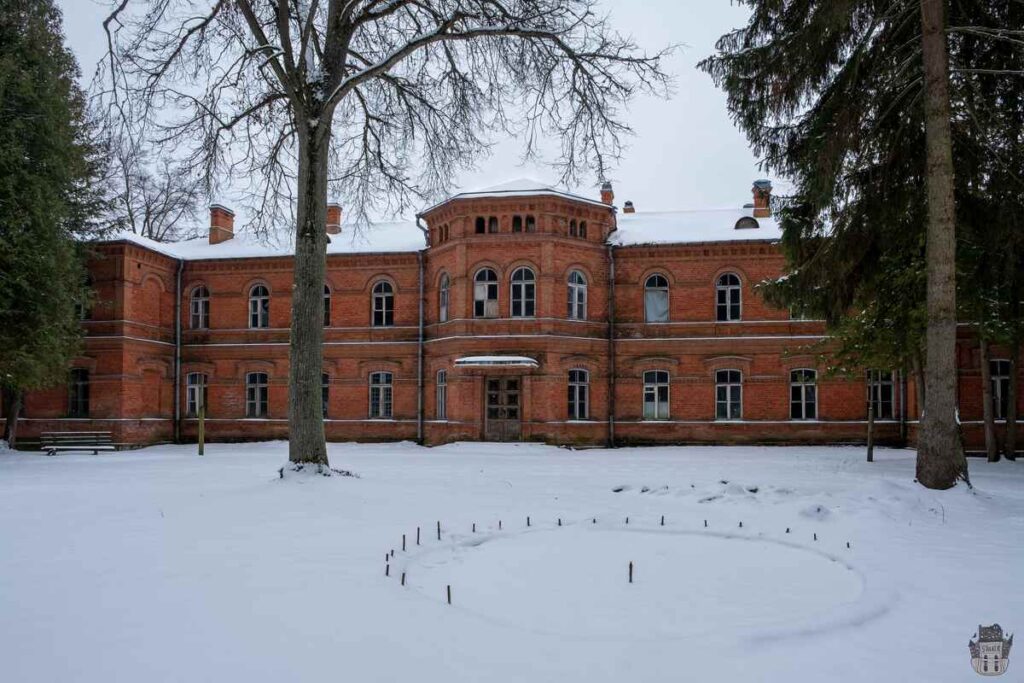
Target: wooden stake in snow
x=417, y=535
x=815, y=536
x=403, y=543
x=449, y=595
x=741, y=525
x=631, y=571
x=439, y=531
x=787, y=529
x=499, y=525
x=627, y=520
x=387, y=570
x=403, y=578
x=527, y=520
x=705, y=524
x=847, y=544
x=594, y=520
x=663, y=520
x=392, y=552
x=474, y=527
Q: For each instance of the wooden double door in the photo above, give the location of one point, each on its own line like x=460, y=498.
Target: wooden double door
x=503, y=409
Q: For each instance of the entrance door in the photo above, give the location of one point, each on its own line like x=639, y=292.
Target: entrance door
x=503, y=411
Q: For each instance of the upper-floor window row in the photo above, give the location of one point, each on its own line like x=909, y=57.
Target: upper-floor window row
x=491, y=224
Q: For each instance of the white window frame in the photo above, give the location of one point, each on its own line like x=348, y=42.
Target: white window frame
x=485, y=293
x=579, y=394
x=199, y=308
x=660, y=287
x=577, y=286
x=382, y=313
x=195, y=393
x=655, y=386
x=800, y=382
x=728, y=286
x=443, y=298
x=733, y=386
x=381, y=405
x=880, y=382
x=523, y=292
x=441, y=396
x=257, y=394
x=999, y=375
x=259, y=307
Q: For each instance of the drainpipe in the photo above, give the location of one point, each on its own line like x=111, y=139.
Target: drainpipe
x=611, y=346
x=419, y=359
x=177, y=355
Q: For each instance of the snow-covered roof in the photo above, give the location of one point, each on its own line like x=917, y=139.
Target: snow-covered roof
x=398, y=236
x=496, y=360
x=686, y=227
x=522, y=187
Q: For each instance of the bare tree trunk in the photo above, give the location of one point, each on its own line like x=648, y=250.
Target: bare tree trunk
x=13, y=398
x=940, y=456
x=919, y=388
x=991, y=445
x=1011, y=401
x=306, y=442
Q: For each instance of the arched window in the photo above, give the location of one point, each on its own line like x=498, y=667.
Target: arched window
x=442, y=298
x=728, y=395
x=579, y=395
x=517, y=223
x=256, y=394
x=380, y=395
x=577, y=296
x=524, y=293
x=656, y=395
x=656, y=299
x=195, y=393
x=573, y=230
x=485, y=294
x=803, y=395
x=481, y=225
x=383, y=304
x=441, y=408
x=531, y=224
x=259, y=307
x=728, y=296
x=325, y=392
x=492, y=224
x=78, y=393
x=583, y=229
x=199, y=308
x=327, y=306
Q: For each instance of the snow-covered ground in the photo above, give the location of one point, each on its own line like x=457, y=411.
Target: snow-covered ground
x=158, y=565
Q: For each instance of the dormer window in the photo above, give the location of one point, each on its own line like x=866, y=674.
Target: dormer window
x=517, y=223
x=481, y=225
x=573, y=230
x=531, y=224
x=583, y=229
x=747, y=223
x=492, y=224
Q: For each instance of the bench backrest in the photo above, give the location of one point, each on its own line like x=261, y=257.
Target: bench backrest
x=75, y=438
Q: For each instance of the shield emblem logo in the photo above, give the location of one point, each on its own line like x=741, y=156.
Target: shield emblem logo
x=990, y=650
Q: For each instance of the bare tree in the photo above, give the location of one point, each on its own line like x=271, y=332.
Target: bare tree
x=155, y=199
x=384, y=100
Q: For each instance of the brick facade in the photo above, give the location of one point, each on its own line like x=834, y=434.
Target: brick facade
x=139, y=329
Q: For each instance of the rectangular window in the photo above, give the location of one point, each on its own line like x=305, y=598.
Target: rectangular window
x=325, y=393
x=78, y=393
x=656, y=395
x=579, y=395
x=256, y=394
x=881, y=394
x=728, y=395
x=195, y=393
x=1000, y=370
x=656, y=305
x=380, y=395
x=803, y=395
x=442, y=395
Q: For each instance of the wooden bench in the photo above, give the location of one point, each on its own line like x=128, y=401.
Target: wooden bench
x=55, y=442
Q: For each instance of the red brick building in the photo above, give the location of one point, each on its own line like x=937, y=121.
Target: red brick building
x=518, y=312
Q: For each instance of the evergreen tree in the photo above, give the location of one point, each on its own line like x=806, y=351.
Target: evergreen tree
x=46, y=200
x=832, y=94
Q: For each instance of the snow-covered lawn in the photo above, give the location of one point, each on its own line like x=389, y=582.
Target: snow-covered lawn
x=158, y=565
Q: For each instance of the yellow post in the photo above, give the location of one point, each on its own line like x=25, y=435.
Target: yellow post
x=202, y=428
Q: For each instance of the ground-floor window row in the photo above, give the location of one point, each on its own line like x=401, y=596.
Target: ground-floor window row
x=803, y=395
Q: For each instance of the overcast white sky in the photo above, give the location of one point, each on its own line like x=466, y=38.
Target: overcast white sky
x=687, y=154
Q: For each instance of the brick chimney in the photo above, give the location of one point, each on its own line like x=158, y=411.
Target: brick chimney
x=607, y=195
x=628, y=207
x=222, y=224
x=762, y=198
x=333, y=219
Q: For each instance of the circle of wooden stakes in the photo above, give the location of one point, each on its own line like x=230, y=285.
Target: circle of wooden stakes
x=389, y=555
